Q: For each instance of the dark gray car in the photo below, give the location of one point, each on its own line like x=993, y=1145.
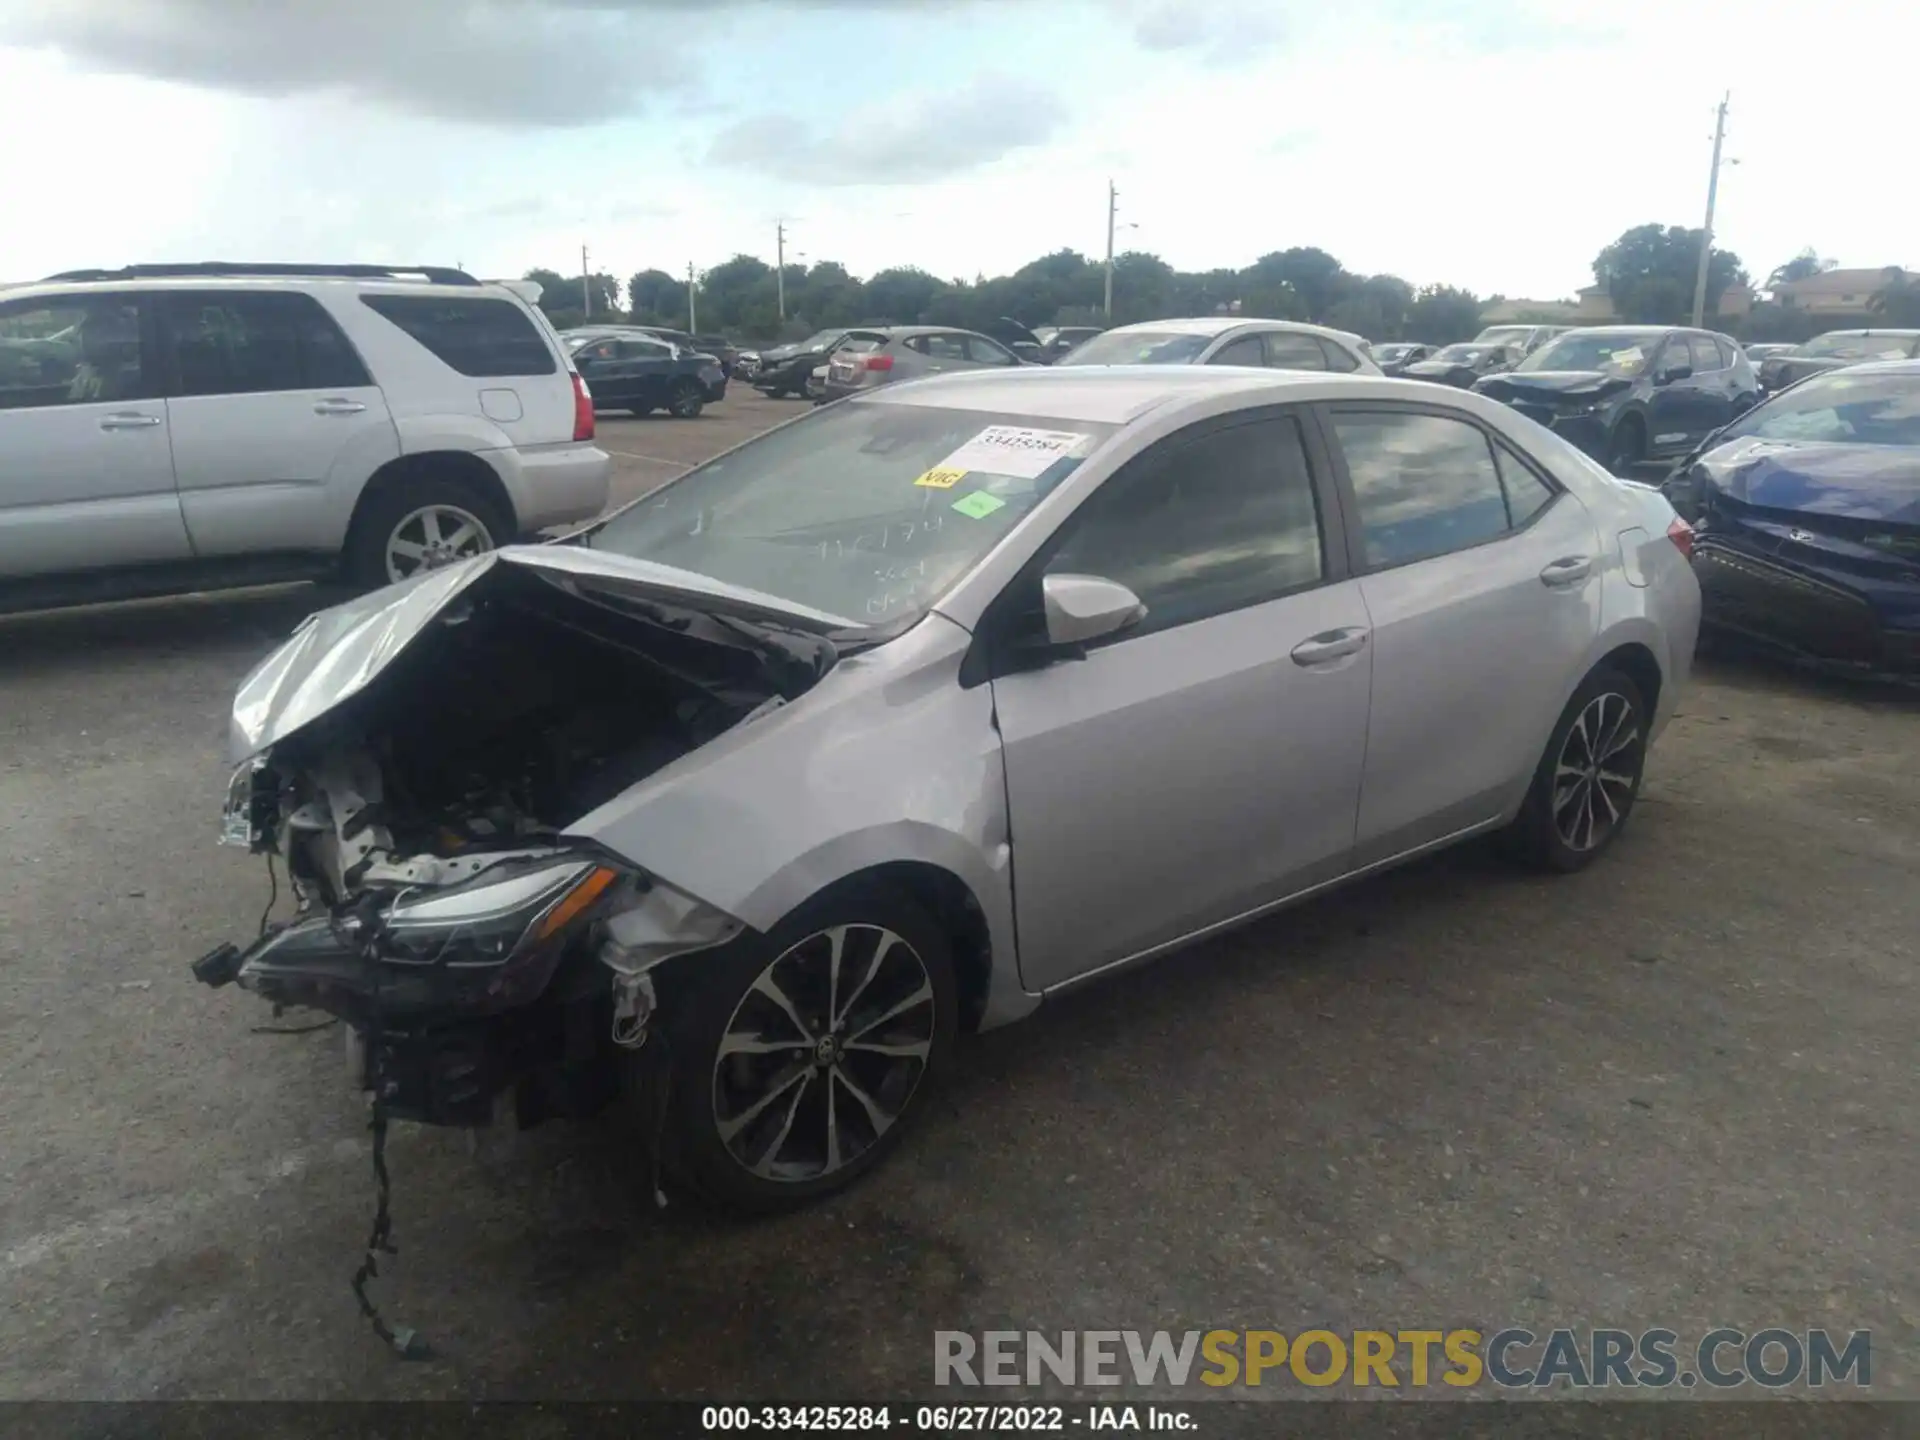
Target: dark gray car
x=908, y=352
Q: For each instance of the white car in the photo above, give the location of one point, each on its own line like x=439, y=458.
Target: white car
x=166, y=428
x=1228, y=340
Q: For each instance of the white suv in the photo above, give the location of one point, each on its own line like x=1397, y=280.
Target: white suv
x=166, y=428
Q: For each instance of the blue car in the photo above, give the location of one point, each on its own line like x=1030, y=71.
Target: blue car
x=1628, y=394
x=1806, y=513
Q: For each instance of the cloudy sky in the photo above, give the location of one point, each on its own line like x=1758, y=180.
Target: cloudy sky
x=1496, y=144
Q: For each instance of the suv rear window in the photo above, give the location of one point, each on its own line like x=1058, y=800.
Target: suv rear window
x=476, y=336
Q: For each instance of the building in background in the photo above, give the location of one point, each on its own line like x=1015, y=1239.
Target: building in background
x=1846, y=293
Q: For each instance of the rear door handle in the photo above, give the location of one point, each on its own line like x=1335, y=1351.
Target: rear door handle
x=129, y=420
x=1567, y=570
x=1330, y=645
x=337, y=407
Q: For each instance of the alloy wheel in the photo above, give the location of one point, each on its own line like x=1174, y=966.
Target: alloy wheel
x=1597, y=772
x=433, y=536
x=823, y=1053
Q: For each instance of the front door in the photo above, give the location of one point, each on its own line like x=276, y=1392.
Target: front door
x=1676, y=412
x=276, y=423
x=86, y=472
x=1206, y=761
x=1482, y=579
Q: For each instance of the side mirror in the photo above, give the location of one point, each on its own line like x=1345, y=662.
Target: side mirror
x=1673, y=373
x=1080, y=608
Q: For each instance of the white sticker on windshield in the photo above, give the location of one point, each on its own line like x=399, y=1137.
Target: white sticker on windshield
x=1017, y=451
x=1626, y=357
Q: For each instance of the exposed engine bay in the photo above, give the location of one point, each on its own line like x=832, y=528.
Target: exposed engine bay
x=519, y=710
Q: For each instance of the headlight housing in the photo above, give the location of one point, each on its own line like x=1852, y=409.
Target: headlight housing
x=500, y=913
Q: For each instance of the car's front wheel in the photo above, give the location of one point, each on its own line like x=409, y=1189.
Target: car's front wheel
x=1585, y=784
x=686, y=401
x=1627, y=446
x=801, y=1058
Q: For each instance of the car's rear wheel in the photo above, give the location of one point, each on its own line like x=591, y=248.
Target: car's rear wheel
x=422, y=523
x=1585, y=785
x=1627, y=446
x=801, y=1058
x=686, y=400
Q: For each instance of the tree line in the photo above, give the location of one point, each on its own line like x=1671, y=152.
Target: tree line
x=1648, y=271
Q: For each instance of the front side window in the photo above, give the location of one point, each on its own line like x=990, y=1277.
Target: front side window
x=1706, y=355
x=1674, y=355
x=983, y=351
x=73, y=350
x=1203, y=526
x=254, y=343
x=645, y=350
x=1244, y=351
x=866, y=511
x=1425, y=484
x=1289, y=351
x=476, y=335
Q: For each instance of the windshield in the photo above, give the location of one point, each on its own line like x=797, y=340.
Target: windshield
x=1138, y=347
x=1617, y=352
x=1461, y=354
x=868, y=511
x=1859, y=347
x=1842, y=409
x=1393, y=352
x=1504, y=335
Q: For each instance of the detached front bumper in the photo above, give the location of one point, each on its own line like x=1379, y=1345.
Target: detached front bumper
x=1813, y=617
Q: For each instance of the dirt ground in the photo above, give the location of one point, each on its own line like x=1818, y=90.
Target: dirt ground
x=1678, y=1089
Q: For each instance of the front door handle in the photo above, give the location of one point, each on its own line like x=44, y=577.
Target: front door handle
x=1330, y=645
x=1567, y=570
x=128, y=421
x=337, y=407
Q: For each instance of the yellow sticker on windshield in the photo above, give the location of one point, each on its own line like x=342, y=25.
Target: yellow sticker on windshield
x=941, y=479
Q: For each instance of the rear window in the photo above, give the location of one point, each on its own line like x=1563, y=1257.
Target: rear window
x=474, y=335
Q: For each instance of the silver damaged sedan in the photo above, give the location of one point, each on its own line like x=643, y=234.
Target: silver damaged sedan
x=733, y=810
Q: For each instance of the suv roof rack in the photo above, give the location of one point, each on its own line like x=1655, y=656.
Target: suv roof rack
x=433, y=274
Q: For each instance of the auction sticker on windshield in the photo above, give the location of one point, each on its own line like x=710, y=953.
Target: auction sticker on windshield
x=979, y=505
x=1015, y=450
x=943, y=478
x=1625, y=357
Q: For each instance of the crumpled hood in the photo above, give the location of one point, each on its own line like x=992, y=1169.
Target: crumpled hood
x=1860, y=482
x=1554, y=382
x=334, y=654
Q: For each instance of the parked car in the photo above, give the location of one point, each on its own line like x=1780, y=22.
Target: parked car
x=1628, y=394
x=1394, y=357
x=909, y=352
x=1218, y=340
x=168, y=428
x=634, y=370
x=1808, y=512
x=1528, y=337
x=817, y=385
x=1058, y=340
x=928, y=705
x=721, y=349
x=784, y=369
x=1024, y=343
x=1461, y=365
x=1833, y=350
x=1765, y=349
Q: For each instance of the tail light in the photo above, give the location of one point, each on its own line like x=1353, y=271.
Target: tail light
x=1681, y=534
x=582, y=409
x=879, y=362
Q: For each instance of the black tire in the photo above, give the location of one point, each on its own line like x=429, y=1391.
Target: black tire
x=1539, y=835
x=686, y=400
x=364, y=558
x=1627, y=446
x=720, y=986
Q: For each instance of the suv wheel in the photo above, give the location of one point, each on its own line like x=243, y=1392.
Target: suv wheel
x=419, y=525
x=686, y=401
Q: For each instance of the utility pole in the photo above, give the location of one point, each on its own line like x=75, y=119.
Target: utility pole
x=586, y=285
x=692, y=324
x=1706, y=233
x=1113, y=201
x=780, y=267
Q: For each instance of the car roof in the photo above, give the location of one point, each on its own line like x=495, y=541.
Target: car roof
x=1120, y=394
x=1875, y=330
x=378, y=285
x=1873, y=367
x=1222, y=324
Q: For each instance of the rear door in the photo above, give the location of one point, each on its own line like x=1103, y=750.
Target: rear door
x=1482, y=580
x=274, y=419
x=494, y=360
x=1714, y=384
x=86, y=473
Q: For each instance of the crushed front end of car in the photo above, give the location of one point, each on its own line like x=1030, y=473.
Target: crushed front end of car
x=412, y=760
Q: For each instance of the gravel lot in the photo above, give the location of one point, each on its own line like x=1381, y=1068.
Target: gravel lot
x=1676, y=1090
